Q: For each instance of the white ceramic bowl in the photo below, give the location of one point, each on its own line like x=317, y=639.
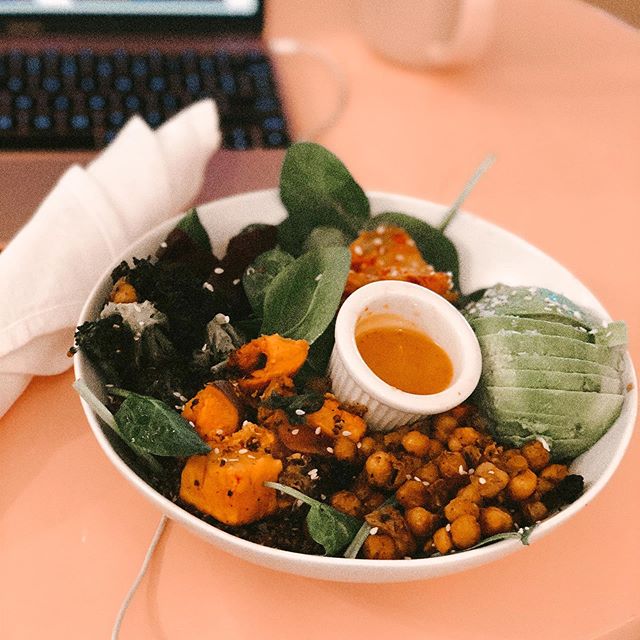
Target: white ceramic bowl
x=488, y=254
x=387, y=407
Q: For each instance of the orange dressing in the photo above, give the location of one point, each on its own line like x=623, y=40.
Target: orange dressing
x=403, y=356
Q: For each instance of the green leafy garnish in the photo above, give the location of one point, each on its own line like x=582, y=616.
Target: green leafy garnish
x=107, y=417
x=523, y=535
x=156, y=428
x=260, y=273
x=327, y=526
x=325, y=237
x=303, y=298
x=305, y=402
x=191, y=225
x=317, y=190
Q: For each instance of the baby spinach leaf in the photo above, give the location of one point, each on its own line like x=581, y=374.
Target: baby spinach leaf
x=325, y=237
x=305, y=402
x=106, y=416
x=302, y=299
x=434, y=246
x=154, y=427
x=327, y=526
x=191, y=225
x=261, y=272
x=318, y=190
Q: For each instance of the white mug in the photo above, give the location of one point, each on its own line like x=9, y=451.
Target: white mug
x=427, y=33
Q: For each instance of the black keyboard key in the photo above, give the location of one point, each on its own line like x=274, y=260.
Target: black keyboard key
x=35, y=139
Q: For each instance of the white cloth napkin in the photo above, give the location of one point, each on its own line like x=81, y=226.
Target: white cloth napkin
x=91, y=216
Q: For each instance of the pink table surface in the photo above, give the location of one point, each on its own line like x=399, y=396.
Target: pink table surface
x=557, y=99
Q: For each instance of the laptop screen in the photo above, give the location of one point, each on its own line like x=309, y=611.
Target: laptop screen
x=32, y=17
x=217, y=8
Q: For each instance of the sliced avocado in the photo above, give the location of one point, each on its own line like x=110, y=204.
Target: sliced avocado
x=490, y=325
x=536, y=379
x=514, y=343
x=502, y=299
x=547, y=363
x=510, y=433
x=586, y=407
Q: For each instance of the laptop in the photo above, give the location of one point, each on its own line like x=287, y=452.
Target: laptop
x=73, y=71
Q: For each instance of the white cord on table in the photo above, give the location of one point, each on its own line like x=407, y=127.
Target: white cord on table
x=279, y=46
x=136, y=583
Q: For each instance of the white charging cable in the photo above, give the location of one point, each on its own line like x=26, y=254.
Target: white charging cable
x=291, y=47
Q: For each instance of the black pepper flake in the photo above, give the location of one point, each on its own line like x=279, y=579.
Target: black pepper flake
x=229, y=493
x=223, y=462
x=194, y=402
x=196, y=483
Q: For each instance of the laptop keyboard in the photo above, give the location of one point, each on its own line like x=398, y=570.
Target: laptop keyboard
x=58, y=100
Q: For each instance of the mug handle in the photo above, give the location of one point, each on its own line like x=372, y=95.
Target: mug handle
x=473, y=28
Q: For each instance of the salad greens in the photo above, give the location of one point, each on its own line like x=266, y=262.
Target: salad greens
x=327, y=526
x=301, y=301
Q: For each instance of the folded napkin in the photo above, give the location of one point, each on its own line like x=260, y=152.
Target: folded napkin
x=91, y=215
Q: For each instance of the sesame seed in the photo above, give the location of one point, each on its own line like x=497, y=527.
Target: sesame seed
x=408, y=476
x=313, y=474
x=543, y=442
x=417, y=479
x=216, y=451
x=318, y=277
x=461, y=471
x=380, y=229
x=295, y=432
x=219, y=432
x=373, y=531
x=322, y=496
x=482, y=480
x=298, y=503
x=318, y=431
x=163, y=245
x=241, y=451
x=346, y=434
x=203, y=347
x=208, y=286
x=236, y=282
x=218, y=270
x=377, y=242
x=330, y=449
x=358, y=250
x=252, y=457
x=300, y=412
x=448, y=528
x=245, y=423
x=426, y=483
x=359, y=445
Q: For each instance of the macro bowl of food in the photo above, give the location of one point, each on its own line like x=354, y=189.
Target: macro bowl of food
x=202, y=358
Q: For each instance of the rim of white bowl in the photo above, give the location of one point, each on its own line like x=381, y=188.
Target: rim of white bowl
x=467, y=375
x=356, y=569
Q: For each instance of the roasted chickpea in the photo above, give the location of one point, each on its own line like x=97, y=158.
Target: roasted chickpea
x=451, y=464
x=495, y=520
x=555, y=473
x=367, y=446
x=442, y=540
x=490, y=480
x=465, y=531
x=470, y=492
x=380, y=469
x=435, y=448
x=514, y=462
x=392, y=440
x=460, y=506
x=379, y=547
x=344, y=449
x=347, y=502
x=461, y=412
x=537, y=456
x=411, y=494
x=428, y=472
x=523, y=485
x=534, y=511
x=443, y=426
x=420, y=521
x=123, y=292
x=416, y=443
x=466, y=435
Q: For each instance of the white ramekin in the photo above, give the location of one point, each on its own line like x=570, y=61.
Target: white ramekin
x=387, y=407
